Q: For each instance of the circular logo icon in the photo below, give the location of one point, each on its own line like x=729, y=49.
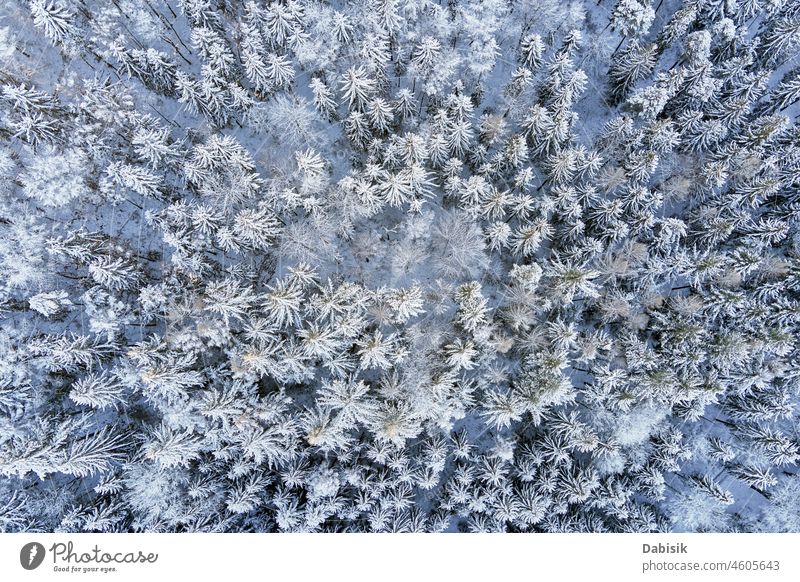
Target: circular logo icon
x=31, y=555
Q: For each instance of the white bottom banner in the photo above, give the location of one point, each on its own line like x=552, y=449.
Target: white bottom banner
x=416, y=557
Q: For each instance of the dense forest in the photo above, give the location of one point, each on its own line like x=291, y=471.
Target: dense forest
x=399, y=265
